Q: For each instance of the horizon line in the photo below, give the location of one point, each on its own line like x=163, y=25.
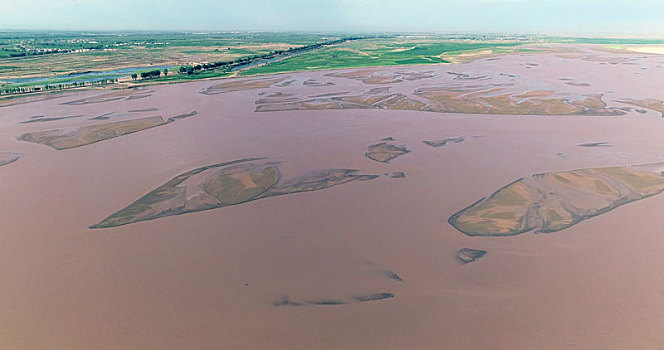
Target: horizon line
x=611, y=35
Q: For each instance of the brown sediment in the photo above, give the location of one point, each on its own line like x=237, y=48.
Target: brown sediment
x=285, y=83
x=310, y=104
x=467, y=255
x=649, y=103
x=377, y=77
x=595, y=144
x=279, y=95
x=277, y=98
x=467, y=99
x=499, y=101
x=19, y=100
x=143, y=110
x=535, y=93
x=313, y=82
x=138, y=97
x=286, y=301
x=391, y=275
x=354, y=74
x=9, y=157
x=221, y=185
x=48, y=119
x=381, y=79
x=600, y=59
x=108, y=115
x=552, y=202
x=373, y=297
x=571, y=83
x=392, y=101
x=379, y=90
x=241, y=85
x=593, y=104
x=126, y=94
x=443, y=142
x=508, y=75
x=75, y=137
x=384, y=152
x=263, y=101
x=468, y=76
x=181, y=116
x=326, y=302
x=331, y=94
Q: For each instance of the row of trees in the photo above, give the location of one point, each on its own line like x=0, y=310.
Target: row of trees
x=189, y=69
x=227, y=65
x=11, y=90
x=38, y=52
x=242, y=61
x=150, y=74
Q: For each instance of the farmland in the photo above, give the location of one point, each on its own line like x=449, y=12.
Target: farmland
x=38, y=61
x=386, y=52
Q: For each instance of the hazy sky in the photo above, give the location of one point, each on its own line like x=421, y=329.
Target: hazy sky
x=621, y=17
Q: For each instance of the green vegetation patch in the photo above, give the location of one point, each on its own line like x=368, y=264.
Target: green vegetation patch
x=378, y=52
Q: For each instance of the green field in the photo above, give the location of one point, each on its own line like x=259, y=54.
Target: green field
x=380, y=52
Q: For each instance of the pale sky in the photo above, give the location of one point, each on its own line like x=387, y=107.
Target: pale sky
x=616, y=17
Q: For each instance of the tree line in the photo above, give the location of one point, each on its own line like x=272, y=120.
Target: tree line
x=150, y=74
x=11, y=90
x=37, y=52
x=242, y=61
x=188, y=69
